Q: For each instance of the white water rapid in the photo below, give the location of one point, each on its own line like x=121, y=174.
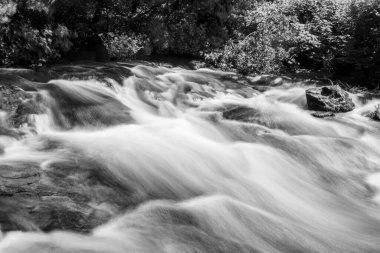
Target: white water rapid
x=212, y=165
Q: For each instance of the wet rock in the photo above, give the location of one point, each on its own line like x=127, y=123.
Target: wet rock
x=329, y=99
x=66, y=195
x=17, y=104
x=20, y=179
x=19, y=82
x=323, y=114
x=268, y=80
x=102, y=73
x=42, y=75
x=100, y=109
x=11, y=133
x=375, y=115
x=26, y=108
x=241, y=113
x=10, y=99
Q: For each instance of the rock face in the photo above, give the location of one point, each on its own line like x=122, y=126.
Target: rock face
x=329, y=99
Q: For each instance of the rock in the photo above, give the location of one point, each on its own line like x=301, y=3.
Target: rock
x=8, y=80
x=70, y=109
x=17, y=104
x=329, y=99
x=375, y=115
x=268, y=80
x=323, y=114
x=41, y=75
x=27, y=107
x=71, y=195
x=241, y=113
x=18, y=179
x=11, y=98
x=102, y=73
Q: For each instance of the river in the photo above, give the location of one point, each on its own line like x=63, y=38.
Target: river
x=209, y=164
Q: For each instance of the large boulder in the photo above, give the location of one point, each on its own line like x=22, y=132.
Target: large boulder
x=329, y=99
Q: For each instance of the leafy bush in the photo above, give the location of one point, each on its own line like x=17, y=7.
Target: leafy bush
x=268, y=46
x=287, y=35
x=7, y=10
x=324, y=31
x=26, y=37
x=189, y=28
x=123, y=47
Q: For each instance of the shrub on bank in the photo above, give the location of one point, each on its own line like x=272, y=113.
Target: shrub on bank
x=286, y=36
x=123, y=47
x=264, y=46
x=26, y=36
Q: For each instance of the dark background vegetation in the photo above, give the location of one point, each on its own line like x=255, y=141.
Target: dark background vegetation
x=337, y=37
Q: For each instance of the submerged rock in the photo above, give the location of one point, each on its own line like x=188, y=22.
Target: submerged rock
x=329, y=99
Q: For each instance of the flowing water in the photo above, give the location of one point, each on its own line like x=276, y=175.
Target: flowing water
x=217, y=166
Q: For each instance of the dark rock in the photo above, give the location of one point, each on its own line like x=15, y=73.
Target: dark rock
x=15, y=133
x=11, y=97
x=70, y=109
x=40, y=76
x=18, y=104
x=329, y=99
x=8, y=80
x=241, y=113
x=375, y=115
x=69, y=195
x=323, y=114
x=27, y=107
x=101, y=73
x=21, y=179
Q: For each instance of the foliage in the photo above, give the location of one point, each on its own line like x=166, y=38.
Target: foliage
x=287, y=35
x=26, y=36
x=123, y=47
x=364, y=49
x=188, y=27
x=324, y=31
x=261, y=36
x=265, y=49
